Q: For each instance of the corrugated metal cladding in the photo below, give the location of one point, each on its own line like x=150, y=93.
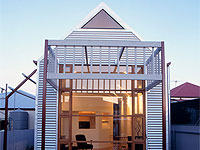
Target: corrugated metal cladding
x=51, y=114
x=103, y=35
x=154, y=97
x=154, y=118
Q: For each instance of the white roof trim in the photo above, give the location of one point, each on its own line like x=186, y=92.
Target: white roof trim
x=101, y=6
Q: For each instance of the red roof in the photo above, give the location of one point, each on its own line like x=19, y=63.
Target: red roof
x=186, y=90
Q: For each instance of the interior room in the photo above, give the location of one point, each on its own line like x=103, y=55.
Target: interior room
x=108, y=115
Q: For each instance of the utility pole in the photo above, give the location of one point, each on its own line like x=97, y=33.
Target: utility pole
x=6, y=120
x=169, y=105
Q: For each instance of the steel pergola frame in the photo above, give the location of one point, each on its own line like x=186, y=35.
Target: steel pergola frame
x=154, y=78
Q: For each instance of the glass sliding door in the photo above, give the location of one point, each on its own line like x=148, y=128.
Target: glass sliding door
x=110, y=114
x=64, y=120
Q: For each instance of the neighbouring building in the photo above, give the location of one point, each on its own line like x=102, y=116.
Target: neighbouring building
x=185, y=107
x=185, y=117
x=184, y=92
x=104, y=82
x=19, y=100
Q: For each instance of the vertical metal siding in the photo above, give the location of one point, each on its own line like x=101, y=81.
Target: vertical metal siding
x=154, y=118
x=51, y=114
x=65, y=55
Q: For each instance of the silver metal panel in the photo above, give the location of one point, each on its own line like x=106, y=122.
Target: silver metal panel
x=51, y=114
x=103, y=76
x=154, y=118
x=103, y=35
x=104, y=43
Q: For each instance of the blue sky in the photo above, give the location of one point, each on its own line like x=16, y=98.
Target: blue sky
x=25, y=24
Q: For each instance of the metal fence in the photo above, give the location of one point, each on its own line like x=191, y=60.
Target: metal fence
x=18, y=139
x=185, y=137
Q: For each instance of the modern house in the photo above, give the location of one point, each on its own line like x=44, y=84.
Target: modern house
x=105, y=83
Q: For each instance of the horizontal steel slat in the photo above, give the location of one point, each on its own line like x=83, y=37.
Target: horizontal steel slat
x=154, y=118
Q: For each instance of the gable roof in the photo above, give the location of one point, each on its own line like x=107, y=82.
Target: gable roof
x=186, y=90
x=106, y=9
x=18, y=101
x=102, y=20
x=110, y=21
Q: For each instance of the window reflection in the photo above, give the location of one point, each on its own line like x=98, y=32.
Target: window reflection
x=65, y=103
x=64, y=126
x=139, y=103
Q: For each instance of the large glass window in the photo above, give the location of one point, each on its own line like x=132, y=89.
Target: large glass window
x=64, y=128
x=107, y=129
x=139, y=103
x=64, y=103
x=109, y=113
x=101, y=104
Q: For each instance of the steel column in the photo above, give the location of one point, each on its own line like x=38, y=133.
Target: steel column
x=44, y=94
x=163, y=96
x=169, y=105
x=6, y=120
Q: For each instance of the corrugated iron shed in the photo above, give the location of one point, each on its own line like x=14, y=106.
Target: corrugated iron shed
x=18, y=101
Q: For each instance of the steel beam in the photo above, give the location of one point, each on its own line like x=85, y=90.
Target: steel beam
x=113, y=43
x=104, y=76
x=151, y=57
x=29, y=78
x=121, y=52
x=153, y=84
x=11, y=93
x=86, y=58
x=22, y=93
x=35, y=62
x=52, y=84
x=118, y=60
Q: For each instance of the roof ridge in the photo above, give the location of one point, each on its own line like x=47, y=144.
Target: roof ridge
x=186, y=90
x=192, y=84
x=178, y=88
